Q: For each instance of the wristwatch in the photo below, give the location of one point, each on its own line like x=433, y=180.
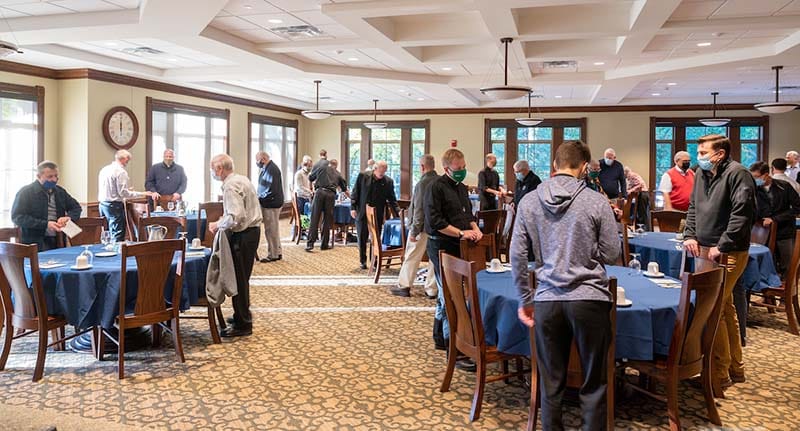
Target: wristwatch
x=460, y=234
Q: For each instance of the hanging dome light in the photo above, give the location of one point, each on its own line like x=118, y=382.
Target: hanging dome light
x=776, y=107
x=505, y=91
x=8, y=48
x=316, y=114
x=714, y=121
x=374, y=124
x=528, y=121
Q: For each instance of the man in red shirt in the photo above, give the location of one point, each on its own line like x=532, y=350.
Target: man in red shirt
x=677, y=183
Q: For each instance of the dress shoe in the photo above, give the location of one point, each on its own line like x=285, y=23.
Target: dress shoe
x=325, y=247
x=400, y=291
x=466, y=364
x=363, y=266
x=236, y=332
x=738, y=378
x=272, y=259
x=309, y=248
x=440, y=345
x=229, y=321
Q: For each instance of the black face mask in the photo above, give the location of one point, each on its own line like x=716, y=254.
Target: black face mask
x=685, y=166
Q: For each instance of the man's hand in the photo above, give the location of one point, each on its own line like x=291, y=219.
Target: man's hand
x=692, y=247
x=176, y=196
x=474, y=235
x=713, y=254
x=767, y=222
x=353, y=213
x=54, y=226
x=525, y=315
x=154, y=195
x=213, y=227
x=63, y=221
x=412, y=238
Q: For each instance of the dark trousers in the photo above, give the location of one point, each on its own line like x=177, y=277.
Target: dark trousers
x=784, y=249
x=557, y=323
x=488, y=203
x=114, y=212
x=49, y=243
x=243, y=249
x=643, y=210
x=322, y=206
x=451, y=246
x=363, y=235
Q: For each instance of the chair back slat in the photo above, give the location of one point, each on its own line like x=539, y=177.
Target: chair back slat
x=493, y=222
x=766, y=236
x=372, y=227
x=91, y=228
x=790, y=281
x=154, y=266
x=93, y=209
x=504, y=243
x=668, y=220
x=6, y=233
x=627, y=208
x=213, y=212
x=173, y=225
x=135, y=208
x=626, y=246
x=27, y=301
x=461, y=302
x=481, y=251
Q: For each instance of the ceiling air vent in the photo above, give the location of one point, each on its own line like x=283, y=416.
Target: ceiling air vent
x=559, y=64
x=143, y=51
x=298, y=31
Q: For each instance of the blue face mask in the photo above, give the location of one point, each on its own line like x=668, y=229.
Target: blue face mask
x=704, y=163
x=759, y=182
x=519, y=176
x=49, y=185
x=609, y=162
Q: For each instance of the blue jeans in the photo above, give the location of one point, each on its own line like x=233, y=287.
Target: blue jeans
x=114, y=212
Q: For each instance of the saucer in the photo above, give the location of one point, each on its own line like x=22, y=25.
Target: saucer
x=73, y=267
x=653, y=275
x=491, y=271
x=106, y=254
x=627, y=303
x=197, y=248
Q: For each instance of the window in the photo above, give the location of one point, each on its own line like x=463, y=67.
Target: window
x=510, y=141
x=21, y=141
x=278, y=138
x=401, y=144
x=670, y=135
x=196, y=134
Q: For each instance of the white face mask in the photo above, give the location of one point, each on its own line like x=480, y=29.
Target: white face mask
x=215, y=176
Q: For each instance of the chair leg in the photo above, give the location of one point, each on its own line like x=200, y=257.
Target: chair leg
x=452, y=353
x=377, y=271
x=212, y=325
x=789, y=304
x=41, y=354
x=708, y=394
x=672, y=404
x=520, y=367
x=220, y=318
x=54, y=336
x=121, y=353
x=533, y=409
x=480, y=383
x=101, y=343
x=6, y=343
x=176, y=339
x=504, y=366
x=156, y=330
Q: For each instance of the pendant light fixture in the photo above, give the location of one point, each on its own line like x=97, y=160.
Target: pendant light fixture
x=374, y=124
x=776, y=107
x=714, y=121
x=8, y=48
x=528, y=121
x=316, y=114
x=505, y=91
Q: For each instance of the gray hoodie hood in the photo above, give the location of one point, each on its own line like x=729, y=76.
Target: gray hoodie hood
x=559, y=193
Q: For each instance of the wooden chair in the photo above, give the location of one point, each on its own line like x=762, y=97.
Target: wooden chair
x=298, y=229
x=154, y=265
x=628, y=208
x=28, y=311
x=404, y=204
x=6, y=233
x=667, y=220
x=135, y=209
x=91, y=228
x=504, y=244
x=93, y=209
x=784, y=297
x=766, y=236
x=690, y=350
x=493, y=222
x=574, y=369
x=381, y=254
x=481, y=252
x=466, y=329
x=214, y=212
x=173, y=225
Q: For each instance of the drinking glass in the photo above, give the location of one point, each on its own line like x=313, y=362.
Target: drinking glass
x=171, y=206
x=635, y=265
x=640, y=229
x=182, y=236
x=105, y=239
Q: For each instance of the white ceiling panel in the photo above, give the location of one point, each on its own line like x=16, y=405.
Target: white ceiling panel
x=233, y=23
x=272, y=20
x=696, y=9
x=298, y=5
x=745, y=8
x=249, y=7
x=38, y=8
x=86, y=5
x=258, y=35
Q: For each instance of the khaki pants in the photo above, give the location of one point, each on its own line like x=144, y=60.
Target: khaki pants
x=727, y=348
x=272, y=231
x=408, y=272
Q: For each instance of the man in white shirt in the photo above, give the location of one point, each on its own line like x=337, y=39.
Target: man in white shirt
x=112, y=189
x=677, y=183
x=779, y=172
x=302, y=185
x=241, y=217
x=794, y=164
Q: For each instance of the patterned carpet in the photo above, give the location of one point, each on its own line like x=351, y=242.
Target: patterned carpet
x=330, y=350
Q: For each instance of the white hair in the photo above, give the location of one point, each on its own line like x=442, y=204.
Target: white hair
x=792, y=153
x=121, y=154
x=609, y=150
x=224, y=161
x=522, y=164
x=680, y=154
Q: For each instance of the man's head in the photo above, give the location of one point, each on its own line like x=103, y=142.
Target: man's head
x=712, y=149
x=760, y=172
x=427, y=163
x=491, y=160
x=262, y=158
x=123, y=157
x=221, y=166
x=682, y=160
x=609, y=155
x=334, y=164
x=779, y=166
x=521, y=169
x=47, y=174
x=379, y=170
x=627, y=171
x=169, y=157
x=307, y=161
x=572, y=157
x=454, y=164
x=371, y=164
x=323, y=154
x=791, y=157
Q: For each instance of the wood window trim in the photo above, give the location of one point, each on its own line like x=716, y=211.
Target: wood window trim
x=271, y=121
x=679, y=137
x=406, y=151
x=33, y=94
x=558, y=125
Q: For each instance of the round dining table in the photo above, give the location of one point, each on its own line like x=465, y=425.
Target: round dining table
x=392, y=233
x=341, y=213
x=644, y=329
x=192, y=218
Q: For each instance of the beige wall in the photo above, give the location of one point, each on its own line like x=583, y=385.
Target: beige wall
x=627, y=132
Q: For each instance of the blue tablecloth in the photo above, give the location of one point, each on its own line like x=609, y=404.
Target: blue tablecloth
x=191, y=222
x=643, y=329
x=341, y=213
x=661, y=247
x=91, y=297
x=392, y=234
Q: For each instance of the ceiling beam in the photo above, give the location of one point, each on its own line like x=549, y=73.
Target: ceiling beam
x=647, y=16
x=781, y=22
x=313, y=44
x=103, y=61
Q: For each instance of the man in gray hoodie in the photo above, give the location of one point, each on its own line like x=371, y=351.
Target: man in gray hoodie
x=572, y=233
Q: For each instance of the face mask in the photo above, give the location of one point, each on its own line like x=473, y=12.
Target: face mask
x=705, y=162
x=215, y=176
x=458, y=176
x=49, y=185
x=519, y=176
x=609, y=162
x=684, y=166
x=306, y=168
x=260, y=165
x=759, y=182
x=593, y=175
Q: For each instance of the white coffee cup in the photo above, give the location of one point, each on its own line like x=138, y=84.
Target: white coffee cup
x=652, y=268
x=679, y=235
x=196, y=243
x=621, y=300
x=495, y=265
x=159, y=209
x=81, y=262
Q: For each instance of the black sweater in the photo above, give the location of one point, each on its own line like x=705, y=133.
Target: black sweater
x=782, y=204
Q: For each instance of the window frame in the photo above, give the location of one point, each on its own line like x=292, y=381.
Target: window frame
x=511, y=126
x=406, y=148
x=679, y=137
x=265, y=120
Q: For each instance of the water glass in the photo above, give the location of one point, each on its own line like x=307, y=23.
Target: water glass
x=639, y=229
x=105, y=239
x=171, y=206
x=635, y=265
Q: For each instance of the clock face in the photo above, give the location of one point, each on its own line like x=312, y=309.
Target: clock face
x=120, y=127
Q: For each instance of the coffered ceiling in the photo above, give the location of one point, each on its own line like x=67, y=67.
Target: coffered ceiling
x=426, y=53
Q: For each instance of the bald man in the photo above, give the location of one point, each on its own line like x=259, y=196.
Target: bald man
x=167, y=178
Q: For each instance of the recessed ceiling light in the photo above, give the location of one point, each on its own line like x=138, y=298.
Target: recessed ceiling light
x=172, y=59
x=274, y=21
x=656, y=94
x=672, y=83
x=420, y=99
x=447, y=69
x=598, y=63
x=558, y=97
x=353, y=58
x=247, y=6
x=702, y=44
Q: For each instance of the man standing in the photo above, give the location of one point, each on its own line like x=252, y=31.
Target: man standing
x=573, y=235
x=112, y=189
x=417, y=237
x=325, y=181
x=636, y=184
x=270, y=196
x=677, y=183
x=527, y=180
x=489, y=190
x=375, y=189
x=720, y=216
x=302, y=186
x=779, y=173
x=43, y=207
x=776, y=202
x=793, y=159
x=167, y=178
x=448, y=219
x=612, y=175
x=241, y=219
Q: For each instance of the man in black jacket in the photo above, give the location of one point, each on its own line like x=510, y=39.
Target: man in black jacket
x=612, y=175
x=779, y=203
x=527, y=180
x=375, y=189
x=270, y=196
x=43, y=207
x=719, y=220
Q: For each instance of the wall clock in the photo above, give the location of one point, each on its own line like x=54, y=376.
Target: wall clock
x=120, y=127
